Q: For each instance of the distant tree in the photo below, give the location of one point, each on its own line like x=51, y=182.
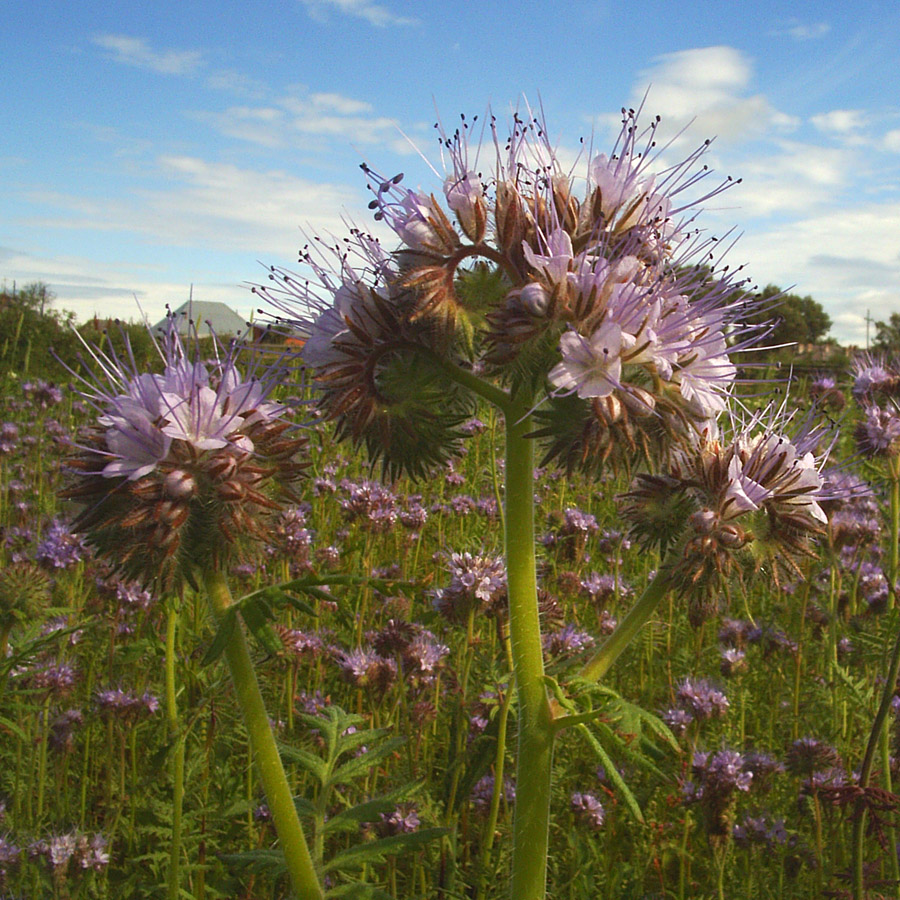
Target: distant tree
x=796, y=319
x=32, y=334
x=887, y=335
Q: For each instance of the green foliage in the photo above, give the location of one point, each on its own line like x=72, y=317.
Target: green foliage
x=31, y=332
x=111, y=777
x=349, y=753
x=887, y=335
x=414, y=431
x=798, y=319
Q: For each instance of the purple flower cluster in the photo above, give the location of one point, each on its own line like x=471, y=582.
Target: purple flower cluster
x=476, y=582
x=403, y=820
x=567, y=642
x=127, y=706
x=50, y=677
x=371, y=503
x=364, y=667
x=701, y=699
x=716, y=780
x=601, y=297
x=60, y=548
x=483, y=791
x=588, y=810
x=760, y=830
x=42, y=393
x=61, y=850
x=9, y=437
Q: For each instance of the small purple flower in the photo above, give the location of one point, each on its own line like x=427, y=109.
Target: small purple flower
x=872, y=375
x=125, y=705
x=588, y=809
x=54, y=678
x=600, y=588
x=10, y=855
x=363, y=667
x=473, y=427
x=569, y=641
x=484, y=790
x=475, y=581
x=879, y=433
x=732, y=662
x=60, y=548
x=809, y=755
x=701, y=699
x=403, y=820
x=677, y=720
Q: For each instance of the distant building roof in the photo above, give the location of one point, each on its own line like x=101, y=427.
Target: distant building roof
x=219, y=317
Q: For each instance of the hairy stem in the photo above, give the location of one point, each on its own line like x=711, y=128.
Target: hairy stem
x=531, y=819
x=601, y=662
x=265, y=751
x=859, y=823
x=177, y=739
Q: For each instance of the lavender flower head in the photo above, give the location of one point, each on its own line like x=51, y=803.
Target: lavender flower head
x=701, y=699
x=878, y=434
x=476, y=582
x=179, y=459
x=593, y=297
x=757, y=486
x=589, y=810
x=60, y=548
x=872, y=375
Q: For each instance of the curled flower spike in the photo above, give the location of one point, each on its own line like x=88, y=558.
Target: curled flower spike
x=758, y=491
x=591, y=290
x=183, y=464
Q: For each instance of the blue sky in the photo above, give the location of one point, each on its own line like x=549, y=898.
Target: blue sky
x=150, y=146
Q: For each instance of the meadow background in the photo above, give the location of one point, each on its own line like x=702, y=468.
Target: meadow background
x=395, y=716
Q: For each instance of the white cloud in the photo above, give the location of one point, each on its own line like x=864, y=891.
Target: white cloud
x=235, y=83
x=136, y=52
x=846, y=259
x=802, y=31
x=840, y=121
x=891, y=141
x=796, y=177
x=708, y=86
x=373, y=13
x=214, y=206
x=307, y=119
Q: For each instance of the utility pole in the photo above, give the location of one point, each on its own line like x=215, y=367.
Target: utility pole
x=868, y=323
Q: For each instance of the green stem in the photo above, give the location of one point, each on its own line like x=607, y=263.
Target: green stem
x=894, y=468
x=484, y=389
x=601, y=662
x=491, y=824
x=265, y=751
x=859, y=823
x=531, y=819
x=174, y=873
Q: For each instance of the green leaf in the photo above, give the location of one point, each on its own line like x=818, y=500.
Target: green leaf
x=9, y=725
x=613, y=774
x=299, y=605
x=378, y=850
x=269, y=862
x=313, y=764
x=257, y=615
x=368, y=811
x=359, y=891
x=223, y=634
x=360, y=765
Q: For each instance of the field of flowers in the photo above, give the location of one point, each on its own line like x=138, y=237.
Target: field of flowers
x=518, y=580
x=765, y=699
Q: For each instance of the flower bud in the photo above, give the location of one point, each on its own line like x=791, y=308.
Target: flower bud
x=179, y=485
x=534, y=298
x=703, y=521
